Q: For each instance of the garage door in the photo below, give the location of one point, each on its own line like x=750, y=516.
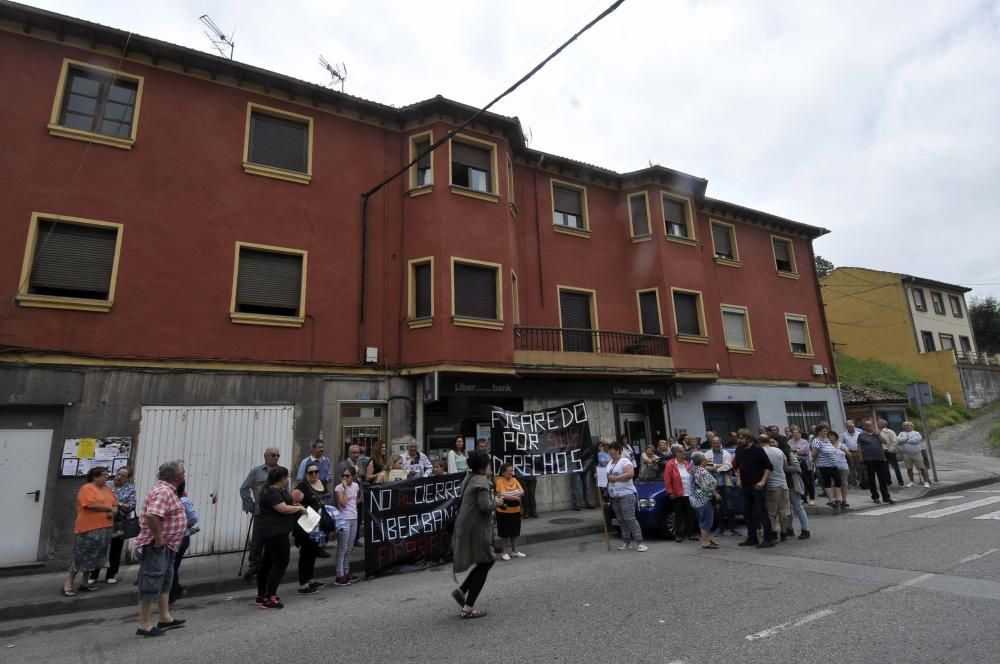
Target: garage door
x=219, y=445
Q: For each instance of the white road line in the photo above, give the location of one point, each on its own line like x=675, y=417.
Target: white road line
x=992, y=515
x=909, y=582
x=771, y=631
x=955, y=509
x=977, y=556
x=908, y=505
x=985, y=491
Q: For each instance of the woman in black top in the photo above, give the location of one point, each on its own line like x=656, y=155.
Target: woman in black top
x=278, y=513
x=378, y=462
x=310, y=492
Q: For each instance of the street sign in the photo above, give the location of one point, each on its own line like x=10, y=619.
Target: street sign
x=919, y=393
x=431, y=387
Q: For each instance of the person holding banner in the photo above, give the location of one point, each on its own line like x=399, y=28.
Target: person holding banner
x=472, y=542
x=623, y=496
x=509, y=514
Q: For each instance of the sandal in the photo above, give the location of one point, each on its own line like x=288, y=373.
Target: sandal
x=469, y=615
x=68, y=593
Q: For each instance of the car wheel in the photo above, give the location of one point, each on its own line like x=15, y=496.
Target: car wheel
x=667, y=528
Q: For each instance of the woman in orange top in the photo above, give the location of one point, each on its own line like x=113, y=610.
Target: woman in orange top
x=509, y=516
x=96, y=507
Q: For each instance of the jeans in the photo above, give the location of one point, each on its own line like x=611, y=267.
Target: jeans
x=879, y=470
x=579, y=484
x=474, y=583
x=893, y=460
x=755, y=513
x=345, y=543
x=273, y=563
x=624, y=509
x=798, y=510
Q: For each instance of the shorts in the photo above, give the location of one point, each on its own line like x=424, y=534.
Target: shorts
x=914, y=460
x=156, y=573
x=777, y=501
x=831, y=476
x=844, y=474
x=706, y=516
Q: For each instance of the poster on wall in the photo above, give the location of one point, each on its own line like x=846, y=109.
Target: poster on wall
x=554, y=441
x=81, y=454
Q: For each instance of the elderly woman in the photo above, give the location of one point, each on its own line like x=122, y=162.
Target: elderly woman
x=623, y=497
x=278, y=513
x=96, y=507
x=124, y=491
x=677, y=480
x=647, y=463
x=827, y=456
x=703, y=486
x=472, y=541
x=801, y=447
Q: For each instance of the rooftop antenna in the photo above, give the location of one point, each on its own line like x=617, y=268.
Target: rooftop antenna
x=338, y=73
x=217, y=37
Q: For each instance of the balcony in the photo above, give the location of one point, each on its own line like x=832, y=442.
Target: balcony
x=586, y=351
x=981, y=359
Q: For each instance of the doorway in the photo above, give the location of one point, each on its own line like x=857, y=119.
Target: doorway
x=724, y=417
x=24, y=461
x=361, y=425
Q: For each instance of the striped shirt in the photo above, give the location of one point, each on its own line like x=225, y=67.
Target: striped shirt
x=828, y=454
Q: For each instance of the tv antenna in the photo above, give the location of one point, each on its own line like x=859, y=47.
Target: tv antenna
x=219, y=40
x=338, y=73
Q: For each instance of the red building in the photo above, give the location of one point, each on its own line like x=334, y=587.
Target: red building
x=191, y=270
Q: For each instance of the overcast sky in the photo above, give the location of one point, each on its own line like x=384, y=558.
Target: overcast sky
x=879, y=120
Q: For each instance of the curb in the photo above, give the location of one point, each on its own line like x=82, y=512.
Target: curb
x=114, y=600
x=823, y=510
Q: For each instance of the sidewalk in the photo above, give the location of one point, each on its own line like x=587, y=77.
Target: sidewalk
x=37, y=595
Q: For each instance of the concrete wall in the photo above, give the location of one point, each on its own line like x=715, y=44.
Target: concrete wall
x=981, y=384
x=765, y=404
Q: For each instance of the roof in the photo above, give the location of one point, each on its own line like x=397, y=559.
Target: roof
x=853, y=395
x=30, y=18
x=930, y=283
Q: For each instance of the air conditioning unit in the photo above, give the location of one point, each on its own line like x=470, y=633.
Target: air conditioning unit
x=371, y=355
x=819, y=370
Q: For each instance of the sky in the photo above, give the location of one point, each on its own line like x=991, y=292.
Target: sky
x=877, y=119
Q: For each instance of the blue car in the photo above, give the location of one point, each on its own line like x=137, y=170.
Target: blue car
x=654, y=511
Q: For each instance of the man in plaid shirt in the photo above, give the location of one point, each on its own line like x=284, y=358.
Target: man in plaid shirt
x=162, y=523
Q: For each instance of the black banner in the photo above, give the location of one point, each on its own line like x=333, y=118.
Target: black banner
x=410, y=522
x=553, y=441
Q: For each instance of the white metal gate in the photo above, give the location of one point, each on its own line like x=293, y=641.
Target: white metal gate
x=219, y=446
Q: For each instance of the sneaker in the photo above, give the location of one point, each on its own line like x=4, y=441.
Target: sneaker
x=352, y=578
x=341, y=581
x=518, y=554
x=111, y=580
x=642, y=548
x=927, y=485
x=505, y=556
x=908, y=485
x=272, y=603
x=152, y=631
x=811, y=501
x=624, y=546
x=308, y=590
x=317, y=584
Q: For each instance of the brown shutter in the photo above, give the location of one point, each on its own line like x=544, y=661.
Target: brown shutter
x=649, y=313
x=673, y=212
x=575, y=310
x=422, y=290
x=475, y=291
x=478, y=158
x=568, y=200
x=73, y=260
x=640, y=220
x=279, y=143
x=269, y=282
x=723, y=241
x=686, y=313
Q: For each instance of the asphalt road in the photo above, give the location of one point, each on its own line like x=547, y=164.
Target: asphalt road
x=921, y=584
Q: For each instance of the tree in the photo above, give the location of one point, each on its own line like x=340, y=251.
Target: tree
x=984, y=314
x=823, y=266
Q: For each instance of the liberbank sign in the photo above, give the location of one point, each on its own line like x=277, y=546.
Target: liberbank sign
x=493, y=386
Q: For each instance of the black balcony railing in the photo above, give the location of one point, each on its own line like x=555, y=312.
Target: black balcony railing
x=589, y=341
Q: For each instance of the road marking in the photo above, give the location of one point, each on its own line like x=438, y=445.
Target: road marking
x=985, y=491
x=955, y=509
x=767, y=633
x=976, y=556
x=908, y=505
x=910, y=582
x=992, y=515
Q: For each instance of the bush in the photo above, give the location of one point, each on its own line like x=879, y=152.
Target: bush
x=874, y=374
x=995, y=435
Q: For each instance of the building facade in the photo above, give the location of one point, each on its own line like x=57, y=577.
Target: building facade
x=199, y=262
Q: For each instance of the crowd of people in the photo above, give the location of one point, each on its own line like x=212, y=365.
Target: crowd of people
x=768, y=477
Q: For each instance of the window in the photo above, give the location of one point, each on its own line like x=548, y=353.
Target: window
x=420, y=312
x=798, y=335
x=947, y=341
x=966, y=344
x=569, y=206
x=421, y=173
x=70, y=263
x=956, y=306
x=806, y=414
x=919, y=303
x=476, y=297
x=724, y=243
x=269, y=286
x=473, y=168
x=938, y=301
x=576, y=318
x=784, y=256
x=96, y=104
x=638, y=215
x=736, y=323
x=928, y=339
x=676, y=218
x=689, y=318
x=278, y=144
x=649, y=312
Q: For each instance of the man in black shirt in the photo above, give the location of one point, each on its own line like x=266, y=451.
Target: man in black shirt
x=752, y=467
x=871, y=452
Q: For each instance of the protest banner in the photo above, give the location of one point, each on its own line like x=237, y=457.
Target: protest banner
x=553, y=441
x=409, y=523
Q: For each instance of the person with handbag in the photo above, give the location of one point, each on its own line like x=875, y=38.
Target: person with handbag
x=96, y=507
x=126, y=524
x=278, y=514
x=509, y=514
x=310, y=492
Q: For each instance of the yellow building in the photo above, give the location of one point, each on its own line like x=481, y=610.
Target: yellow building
x=917, y=324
